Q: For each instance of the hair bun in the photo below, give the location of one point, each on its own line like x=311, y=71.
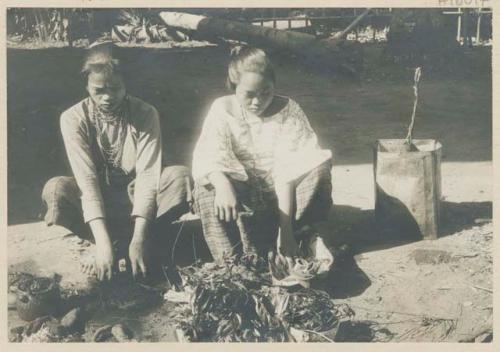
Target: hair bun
x=236, y=50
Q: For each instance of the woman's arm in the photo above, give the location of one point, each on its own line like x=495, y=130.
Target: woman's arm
x=213, y=152
x=104, y=249
x=297, y=154
x=148, y=166
x=215, y=163
x=138, y=248
x=148, y=172
x=287, y=244
x=225, y=203
x=77, y=145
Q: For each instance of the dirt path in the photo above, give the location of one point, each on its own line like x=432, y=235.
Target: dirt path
x=391, y=286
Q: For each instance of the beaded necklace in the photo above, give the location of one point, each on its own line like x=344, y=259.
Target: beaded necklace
x=111, y=152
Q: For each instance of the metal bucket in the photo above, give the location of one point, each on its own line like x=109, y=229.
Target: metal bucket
x=408, y=188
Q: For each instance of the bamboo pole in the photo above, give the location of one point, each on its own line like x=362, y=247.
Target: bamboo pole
x=478, y=29
x=409, y=137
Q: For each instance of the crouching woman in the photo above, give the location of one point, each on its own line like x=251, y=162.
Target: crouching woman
x=119, y=189
x=259, y=171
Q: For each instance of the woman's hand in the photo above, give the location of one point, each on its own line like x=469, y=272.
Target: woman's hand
x=225, y=202
x=138, y=248
x=104, y=260
x=137, y=252
x=104, y=257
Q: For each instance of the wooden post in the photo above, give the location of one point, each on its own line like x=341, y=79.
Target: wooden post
x=289, y=24
x=478, y=29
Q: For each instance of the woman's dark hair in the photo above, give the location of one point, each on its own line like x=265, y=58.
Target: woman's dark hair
x=248, y=59
x=102, y=58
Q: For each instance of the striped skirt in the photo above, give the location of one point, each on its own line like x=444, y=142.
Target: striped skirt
x=256, y=229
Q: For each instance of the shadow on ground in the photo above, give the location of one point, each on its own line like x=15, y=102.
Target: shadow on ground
x=353, y=232
x=362, y=331
x=356, y=227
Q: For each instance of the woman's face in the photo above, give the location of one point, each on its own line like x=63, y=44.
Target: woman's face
x=107, y=91
x=254, y=92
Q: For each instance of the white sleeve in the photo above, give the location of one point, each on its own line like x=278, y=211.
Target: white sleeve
x=214, y=150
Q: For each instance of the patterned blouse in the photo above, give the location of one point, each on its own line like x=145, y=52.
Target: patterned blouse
x=275, y=149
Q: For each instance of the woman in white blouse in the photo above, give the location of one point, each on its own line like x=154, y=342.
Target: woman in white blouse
x=258, y=169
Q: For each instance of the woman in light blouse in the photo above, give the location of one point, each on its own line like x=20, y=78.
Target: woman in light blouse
x=259, y=171
x=119, y=188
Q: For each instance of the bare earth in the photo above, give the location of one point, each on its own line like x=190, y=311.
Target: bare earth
x=395, y=286
x=400, y=291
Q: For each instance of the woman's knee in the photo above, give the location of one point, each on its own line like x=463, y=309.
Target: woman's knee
x=58, y=188
x=175, y=172
x=324, y=170
x=203, y=197
x=175, y=177
x=321, y=174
